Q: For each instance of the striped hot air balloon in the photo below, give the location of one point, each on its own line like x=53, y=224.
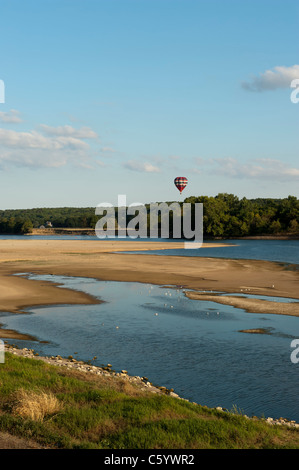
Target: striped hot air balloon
x=181, y=182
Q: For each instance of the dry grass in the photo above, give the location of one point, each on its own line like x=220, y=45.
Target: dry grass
x=35, y=405
x=117, y=384
x=62, y=408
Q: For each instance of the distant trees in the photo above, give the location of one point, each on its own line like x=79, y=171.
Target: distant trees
x=15, y=225
x=26, y=227
x=19, y=221
x=224, y=215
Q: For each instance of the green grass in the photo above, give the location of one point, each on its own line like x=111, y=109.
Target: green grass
x=110, y=413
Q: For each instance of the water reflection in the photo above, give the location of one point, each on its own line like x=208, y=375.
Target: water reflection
x=194, y=347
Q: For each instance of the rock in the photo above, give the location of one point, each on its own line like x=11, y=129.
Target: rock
x=141, y=381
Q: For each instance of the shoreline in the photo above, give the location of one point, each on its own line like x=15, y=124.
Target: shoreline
x=142, y=383
x=250, y=305
x=90, y=231
x=103, y=261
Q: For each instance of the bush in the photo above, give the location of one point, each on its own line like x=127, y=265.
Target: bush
x=35, y=405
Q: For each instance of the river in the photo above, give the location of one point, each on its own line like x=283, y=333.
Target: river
x=194, y=347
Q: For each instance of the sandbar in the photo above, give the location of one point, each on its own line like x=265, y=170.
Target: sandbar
x=252, y=305
x=103, y=260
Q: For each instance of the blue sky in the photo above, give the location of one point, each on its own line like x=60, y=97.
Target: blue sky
x=108, y=97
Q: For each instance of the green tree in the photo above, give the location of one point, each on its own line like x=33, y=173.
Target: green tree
x=275, y=227
x=294, y=226
x=27, y=227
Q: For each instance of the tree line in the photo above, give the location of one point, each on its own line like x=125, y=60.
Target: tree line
x=224, y=215
x=23, y=221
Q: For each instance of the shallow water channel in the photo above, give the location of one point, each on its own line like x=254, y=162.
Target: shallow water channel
x=195, y=347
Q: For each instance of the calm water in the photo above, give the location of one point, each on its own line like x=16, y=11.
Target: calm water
x=192, y=346
x=285, y=251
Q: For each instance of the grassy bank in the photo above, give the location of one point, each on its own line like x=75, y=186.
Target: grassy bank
x=61, y=408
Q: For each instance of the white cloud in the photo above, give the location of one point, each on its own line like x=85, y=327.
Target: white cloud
x=35, y=158
x=278, y=77
x=54, y=147
x=107, y=150
x=69, y=131
x=11, y=117
x=260, y=168
x=34, y=139
x=100, y=163
x=141, y=167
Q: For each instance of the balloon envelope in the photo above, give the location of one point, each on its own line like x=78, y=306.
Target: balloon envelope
x=181, y=182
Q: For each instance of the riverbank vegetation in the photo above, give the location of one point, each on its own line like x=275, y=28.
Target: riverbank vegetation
x=225, y=216
x=60, y=408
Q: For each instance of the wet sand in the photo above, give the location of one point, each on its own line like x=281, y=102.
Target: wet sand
x=100, y=260
x=251, y=305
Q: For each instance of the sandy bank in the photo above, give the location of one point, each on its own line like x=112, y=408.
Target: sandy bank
x=100, y=260
x=251, y=305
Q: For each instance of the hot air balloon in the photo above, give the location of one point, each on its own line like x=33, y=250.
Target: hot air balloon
x=181, y=182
